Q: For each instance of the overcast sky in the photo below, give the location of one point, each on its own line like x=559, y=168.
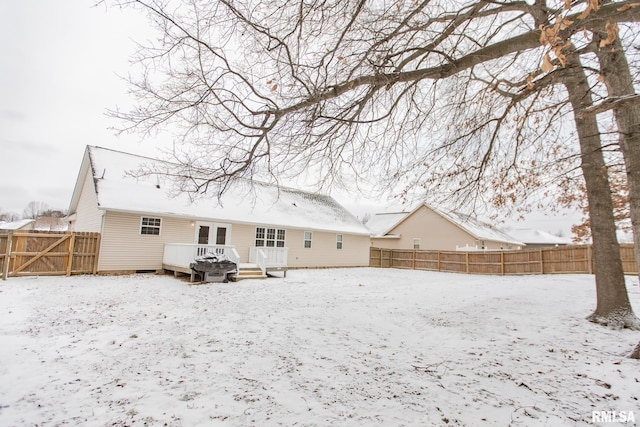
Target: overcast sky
x=61, y=64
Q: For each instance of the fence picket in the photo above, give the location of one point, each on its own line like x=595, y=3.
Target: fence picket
x=32, y=253
x=553, y=260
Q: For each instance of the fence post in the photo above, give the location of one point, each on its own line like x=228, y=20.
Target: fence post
x=438, y=260
x=541, y=262
x=467, y=261
x=71, y=248
x=96, y=253
x=413, y=260
x=502, y=263
x=590, y=259
x=7, y=258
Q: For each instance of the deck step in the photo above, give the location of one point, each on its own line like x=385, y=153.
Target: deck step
x=247, y=276
x=249, y=271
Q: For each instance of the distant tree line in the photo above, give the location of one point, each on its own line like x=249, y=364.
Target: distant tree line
x=31, y=211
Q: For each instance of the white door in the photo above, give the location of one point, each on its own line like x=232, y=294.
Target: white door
x=211, y=233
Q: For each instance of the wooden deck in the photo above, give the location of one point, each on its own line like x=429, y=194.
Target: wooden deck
x=245, y=271
x=262, y=263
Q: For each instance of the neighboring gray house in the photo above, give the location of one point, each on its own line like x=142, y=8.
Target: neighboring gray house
x=537, y=238
x=144, y=228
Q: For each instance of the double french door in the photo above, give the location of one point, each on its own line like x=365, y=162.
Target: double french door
x=211, y=233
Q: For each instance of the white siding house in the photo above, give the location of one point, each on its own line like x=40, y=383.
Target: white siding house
x=141, y=221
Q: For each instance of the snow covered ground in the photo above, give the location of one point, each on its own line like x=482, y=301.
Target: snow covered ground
x=321, y=347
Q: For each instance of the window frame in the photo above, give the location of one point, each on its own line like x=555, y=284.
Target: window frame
x=416, y=243
x=149, y=223
x=339, y=241
x=309, y=240
x=270, y=237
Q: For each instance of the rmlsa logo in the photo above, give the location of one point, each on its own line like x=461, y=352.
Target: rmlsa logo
x=613, y=417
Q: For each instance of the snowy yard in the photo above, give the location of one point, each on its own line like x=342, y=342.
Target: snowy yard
x=321, y=347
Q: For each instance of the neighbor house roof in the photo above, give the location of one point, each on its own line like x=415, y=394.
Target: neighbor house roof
x=383, y=224
x=244, y=202
x=531, y=236
x=380, y=223
x=45, y=223
x=15, y=225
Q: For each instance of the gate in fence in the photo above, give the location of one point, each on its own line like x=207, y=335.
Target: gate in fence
x=32, y=253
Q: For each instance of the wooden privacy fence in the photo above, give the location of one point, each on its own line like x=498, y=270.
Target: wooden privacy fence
x=563, y=259
x=32, y=253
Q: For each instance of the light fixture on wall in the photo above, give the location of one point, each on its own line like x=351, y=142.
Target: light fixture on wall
x=192, y=223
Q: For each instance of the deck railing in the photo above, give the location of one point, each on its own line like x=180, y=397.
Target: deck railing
x=183, y=254
x=261, y=260
x=276, y=257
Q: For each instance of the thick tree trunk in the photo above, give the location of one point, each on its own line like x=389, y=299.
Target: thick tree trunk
x=636, y=353
x=614, y=68
x=613, y=307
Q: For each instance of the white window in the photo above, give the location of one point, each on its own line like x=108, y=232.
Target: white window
x=416, y=243
x=280, y=239
x=338, y=241
x=269, y=237
x=260, y=233
x=150, y=226
x=307, y=239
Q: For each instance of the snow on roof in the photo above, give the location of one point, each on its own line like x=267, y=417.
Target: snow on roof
x=532, y=236
x=246, y=202
x=380, y=223
x=481, y=230
x=383, y=223
x=15, y=225
x=43, y=223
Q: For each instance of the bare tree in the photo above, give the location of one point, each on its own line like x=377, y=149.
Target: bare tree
x=325, y=80
x=613, y=305
x=636, y=352
x=53, y=213
x=620, y=197
x=8, y=216
x=443, y=98
x=35, y=209
x=616, y=74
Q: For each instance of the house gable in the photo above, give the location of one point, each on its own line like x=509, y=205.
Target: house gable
x=428, y=228
x=433, y=231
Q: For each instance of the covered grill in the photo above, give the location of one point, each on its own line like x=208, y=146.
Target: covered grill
x=213, y=268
